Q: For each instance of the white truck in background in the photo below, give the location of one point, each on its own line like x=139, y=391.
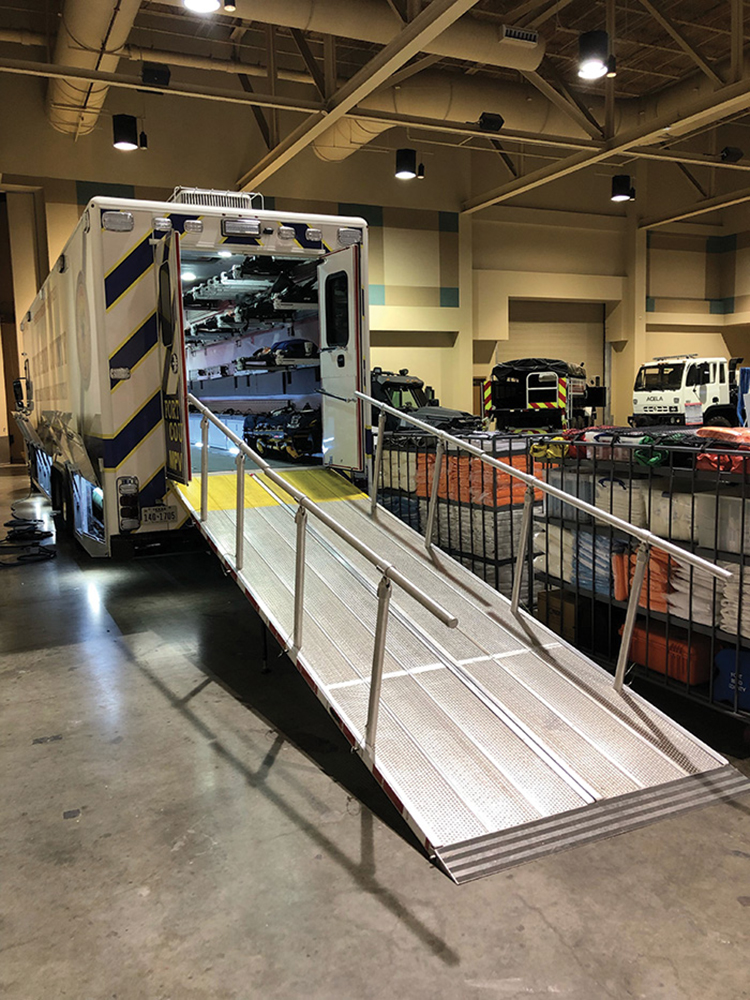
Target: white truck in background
x=686, y=389
x=102, y=404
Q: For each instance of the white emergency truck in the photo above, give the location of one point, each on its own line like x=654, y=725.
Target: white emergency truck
x=102, y=404
x=686, y=389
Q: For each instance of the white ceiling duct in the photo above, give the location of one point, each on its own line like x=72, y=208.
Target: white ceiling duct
x=377, y=22
x=448, y=97
x=91, y=36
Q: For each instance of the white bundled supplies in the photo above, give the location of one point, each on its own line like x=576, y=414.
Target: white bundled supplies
x=555, y=548
x=696, y=594
x=672, y=515
x=399, y=470
x=622, y=497
x=736, y=595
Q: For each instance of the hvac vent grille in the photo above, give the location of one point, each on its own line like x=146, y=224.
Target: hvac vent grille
x=519, y=35
x=214, y=199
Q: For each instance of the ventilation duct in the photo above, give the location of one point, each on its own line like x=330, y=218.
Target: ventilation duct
x=447, y=97
x=91, y=36
x=375, y=21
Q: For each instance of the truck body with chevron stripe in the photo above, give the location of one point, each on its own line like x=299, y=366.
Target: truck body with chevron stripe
x=102, y=404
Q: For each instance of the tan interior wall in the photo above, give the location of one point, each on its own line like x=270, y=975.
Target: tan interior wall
x=571, y=331
x=706, y=344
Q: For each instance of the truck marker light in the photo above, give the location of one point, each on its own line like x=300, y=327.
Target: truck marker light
x=193, y=225
x=348, y=237
x=286, y=233
x=240, y=227
x=314, y=235
x=162, y=224
x=118, y=222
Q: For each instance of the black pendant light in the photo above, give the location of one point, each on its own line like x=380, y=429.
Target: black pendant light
x=621, y=188
x=406, y=164
x=124, y=132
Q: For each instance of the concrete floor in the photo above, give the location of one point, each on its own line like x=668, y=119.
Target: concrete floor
x=178, y=825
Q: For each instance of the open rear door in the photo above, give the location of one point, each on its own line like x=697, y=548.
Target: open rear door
x=172, y=340
x=341, y=359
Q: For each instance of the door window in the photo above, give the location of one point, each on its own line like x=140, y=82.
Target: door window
x=166, y=318
x=337, y=309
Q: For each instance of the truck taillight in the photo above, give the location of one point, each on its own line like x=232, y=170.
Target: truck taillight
x=129, y=510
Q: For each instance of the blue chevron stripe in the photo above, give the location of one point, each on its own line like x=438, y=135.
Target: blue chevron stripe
x=135, y=348
x=128, y=271
x=117, y=449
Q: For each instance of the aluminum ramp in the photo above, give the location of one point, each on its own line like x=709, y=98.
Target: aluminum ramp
x=497, y=741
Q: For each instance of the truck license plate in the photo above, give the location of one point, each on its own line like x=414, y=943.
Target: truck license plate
x=158, y=515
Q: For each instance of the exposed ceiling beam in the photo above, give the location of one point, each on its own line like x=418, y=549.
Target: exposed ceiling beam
x=23, y=67
x=329, y=64
x=310, y=61
x=409, y=71
x=513, y=16
x=260, y=117
x=696, y=159
x=538, y=21
x=707, y=205
x=412, y=38
x=574, y=98
x=693, y=179
x=711, y=107
x=504, y=156
x=469, y=128
x=737, y=39
x=609, y=82
x=671, y=28
x=571, y=110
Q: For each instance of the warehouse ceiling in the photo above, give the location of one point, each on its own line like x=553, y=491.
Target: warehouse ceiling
x=350, y=70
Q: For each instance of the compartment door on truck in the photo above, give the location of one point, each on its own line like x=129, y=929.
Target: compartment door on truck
x=172, y=340
x=341, y=350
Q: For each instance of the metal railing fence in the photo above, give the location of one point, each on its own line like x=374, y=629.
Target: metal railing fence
x=305, y=506
x=646, y=538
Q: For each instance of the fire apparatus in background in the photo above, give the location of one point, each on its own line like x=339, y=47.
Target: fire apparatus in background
x=543, y=394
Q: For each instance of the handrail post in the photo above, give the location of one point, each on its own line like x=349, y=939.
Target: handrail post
x=432, y=509
x=299, y=575
x=378, y=657
x=523, y=544
x=644, y=550
x=378, y=462
x=204, y=467
x=239, y=543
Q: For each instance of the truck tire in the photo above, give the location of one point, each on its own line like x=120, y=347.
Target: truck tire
x=718, y=422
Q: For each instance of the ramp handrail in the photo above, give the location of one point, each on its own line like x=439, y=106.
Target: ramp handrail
x=388, y=572
x=647, y=538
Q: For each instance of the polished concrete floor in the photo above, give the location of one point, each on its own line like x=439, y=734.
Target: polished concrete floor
x=179, y=825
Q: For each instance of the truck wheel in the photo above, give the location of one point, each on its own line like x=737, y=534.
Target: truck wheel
x=718, y=422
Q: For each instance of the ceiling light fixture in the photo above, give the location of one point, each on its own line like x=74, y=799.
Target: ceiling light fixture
x=406, y=164
x=230, y=6
x=593, y=55
x=124, y=132
x=420, y=172
x=201, y=6
x=143, y=140
x=621, y=188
